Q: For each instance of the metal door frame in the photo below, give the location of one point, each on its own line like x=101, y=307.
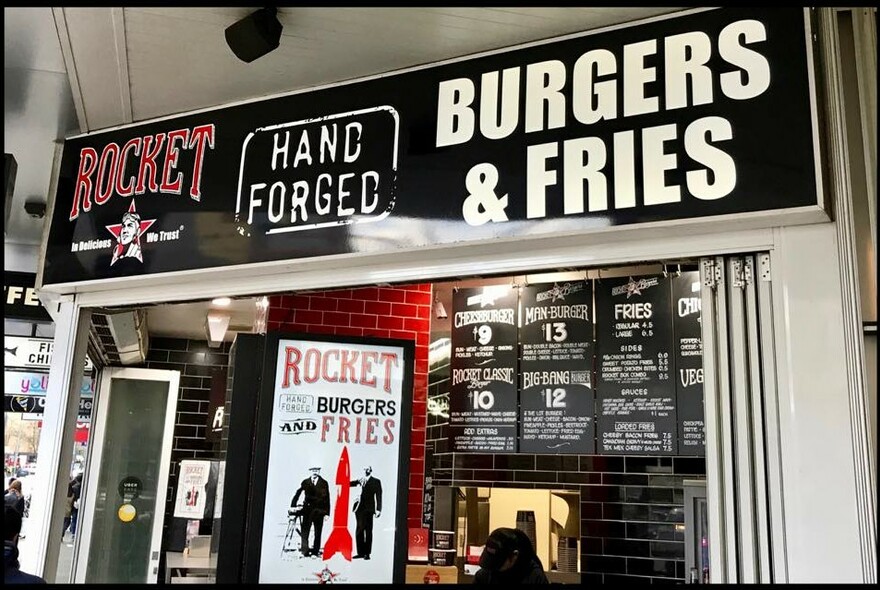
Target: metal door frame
x=93, y=464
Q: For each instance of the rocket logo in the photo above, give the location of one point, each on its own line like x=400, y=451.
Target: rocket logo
x=339, y=540
x=128, y=235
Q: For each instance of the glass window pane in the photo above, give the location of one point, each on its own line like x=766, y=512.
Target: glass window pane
x=120, y=551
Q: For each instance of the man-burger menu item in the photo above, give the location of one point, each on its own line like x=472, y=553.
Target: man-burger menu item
x=556, y=345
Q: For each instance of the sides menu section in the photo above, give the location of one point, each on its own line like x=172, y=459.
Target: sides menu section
x=686, y=307
x=635, y=393
x=556, y=340
x=483, y=391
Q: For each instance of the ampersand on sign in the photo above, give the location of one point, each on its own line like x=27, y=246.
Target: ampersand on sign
x=482, y=204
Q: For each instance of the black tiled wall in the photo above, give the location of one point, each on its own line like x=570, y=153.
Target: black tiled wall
x=195, y=360
x=632, y=507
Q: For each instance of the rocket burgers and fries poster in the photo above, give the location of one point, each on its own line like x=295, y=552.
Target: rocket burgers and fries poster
x=340, y=413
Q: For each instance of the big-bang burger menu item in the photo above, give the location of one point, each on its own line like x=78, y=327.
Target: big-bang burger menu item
x=483, y=391
x=635, y=392
x=556, y=346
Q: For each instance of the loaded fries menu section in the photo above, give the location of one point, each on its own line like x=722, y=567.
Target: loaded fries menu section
x=686, y=306
x=636, y=395
x=556, y=340
x=483, y=391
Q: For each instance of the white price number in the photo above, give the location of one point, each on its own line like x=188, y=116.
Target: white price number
x=554, y=398
x=555, y=332
x=483, y=400
x=663, y=366
x=483, y=334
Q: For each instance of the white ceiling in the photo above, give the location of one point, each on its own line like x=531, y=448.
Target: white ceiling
x=39, y=110
x=78, y=69
x=187, y=320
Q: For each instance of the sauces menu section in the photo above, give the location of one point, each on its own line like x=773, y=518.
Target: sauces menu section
x=483, y=388
x=686, y=307
x=556, y=362
x=635, y=407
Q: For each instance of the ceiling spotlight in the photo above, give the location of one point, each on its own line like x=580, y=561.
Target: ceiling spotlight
x=255, y=35
x=221, y=301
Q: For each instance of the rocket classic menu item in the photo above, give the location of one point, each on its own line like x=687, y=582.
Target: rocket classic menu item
x=483, y=392
x=333, y=469
x=556, y=339
x=635, y=392
x=686, y=306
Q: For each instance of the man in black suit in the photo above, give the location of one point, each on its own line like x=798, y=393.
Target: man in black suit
x=315, y=508
x=369, y=504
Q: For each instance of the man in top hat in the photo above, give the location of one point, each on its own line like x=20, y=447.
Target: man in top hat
x=315, y=508
x=368, y=506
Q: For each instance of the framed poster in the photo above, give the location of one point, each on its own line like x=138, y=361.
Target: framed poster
x=331, y=461
x=192, y=492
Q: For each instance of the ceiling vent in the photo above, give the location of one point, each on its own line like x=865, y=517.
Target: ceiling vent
x=130, y=338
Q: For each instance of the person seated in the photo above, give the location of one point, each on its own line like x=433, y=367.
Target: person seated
x=11, y=530
x=510, y=558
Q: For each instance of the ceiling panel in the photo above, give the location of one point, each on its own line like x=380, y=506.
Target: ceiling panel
x=179, y=61
x=30, y=41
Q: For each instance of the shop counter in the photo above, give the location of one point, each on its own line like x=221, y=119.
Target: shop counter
x=184, y=569
x=421, y=574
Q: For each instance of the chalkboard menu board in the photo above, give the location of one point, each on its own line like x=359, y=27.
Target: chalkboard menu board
x=688, y=363
x=556, y=363
x=483, y=389
x=635, y=393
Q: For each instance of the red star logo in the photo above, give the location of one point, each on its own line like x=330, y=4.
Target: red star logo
x=325, y=576
x=133, y=246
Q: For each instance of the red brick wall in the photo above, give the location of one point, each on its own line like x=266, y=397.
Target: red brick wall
x=385, y=312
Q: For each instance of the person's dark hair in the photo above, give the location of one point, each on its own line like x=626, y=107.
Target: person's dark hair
x=11, y=523
x=501, y=544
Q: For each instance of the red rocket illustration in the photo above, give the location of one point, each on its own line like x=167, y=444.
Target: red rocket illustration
x=339, y=540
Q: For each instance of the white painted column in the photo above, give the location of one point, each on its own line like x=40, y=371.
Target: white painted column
x=40, y=554
x=818, y=459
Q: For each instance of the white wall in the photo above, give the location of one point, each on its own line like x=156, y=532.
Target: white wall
x=20, y=257
x=821, y=519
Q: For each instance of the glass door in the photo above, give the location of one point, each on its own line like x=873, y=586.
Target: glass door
x=127, y=477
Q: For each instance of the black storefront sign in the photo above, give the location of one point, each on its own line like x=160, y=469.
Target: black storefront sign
x=683, y=118
x=35, y=404
x=216, y=405
x=635, y=393
x=483, y=388
x=686, y=314
x=556, y=363
x=21, y=298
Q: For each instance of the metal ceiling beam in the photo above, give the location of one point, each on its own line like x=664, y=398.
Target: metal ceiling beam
x=70, y=65
x=118, y=16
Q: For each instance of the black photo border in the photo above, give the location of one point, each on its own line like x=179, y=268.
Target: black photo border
x=263, y=431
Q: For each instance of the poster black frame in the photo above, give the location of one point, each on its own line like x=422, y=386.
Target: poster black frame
x=262, y=431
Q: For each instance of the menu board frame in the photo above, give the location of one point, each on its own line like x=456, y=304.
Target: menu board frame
x=688, y=373
x=623, y=349
x=484, y=369
x=552, y=329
